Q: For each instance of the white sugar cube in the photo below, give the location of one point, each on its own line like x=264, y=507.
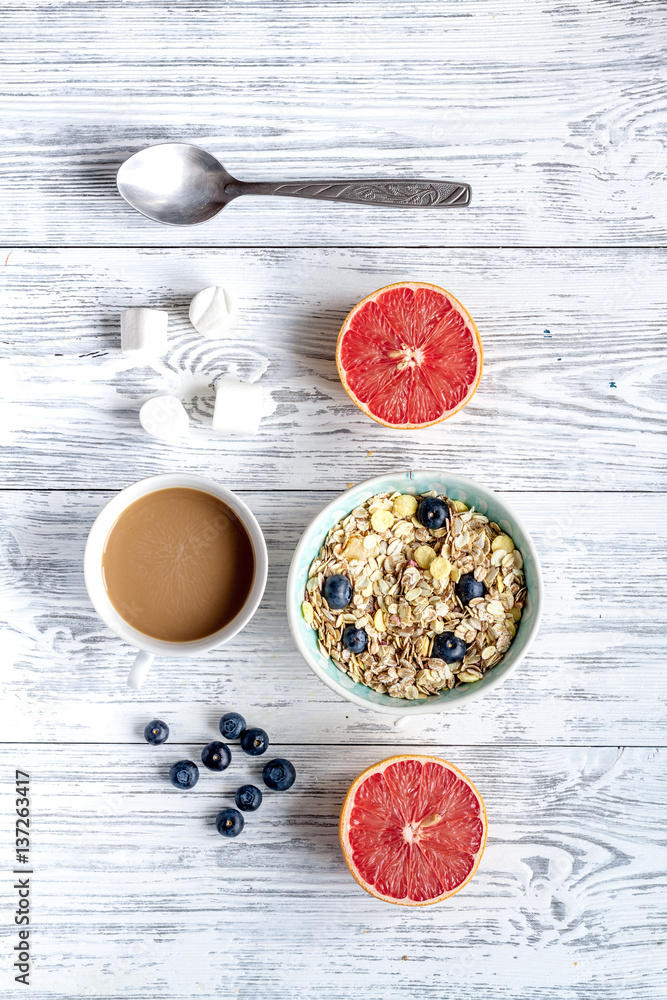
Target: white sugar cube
x=164, y=417
x=144, y=331
x=238, y=406
x=211, y=312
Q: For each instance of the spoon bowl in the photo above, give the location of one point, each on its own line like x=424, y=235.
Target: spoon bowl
x=174, y=183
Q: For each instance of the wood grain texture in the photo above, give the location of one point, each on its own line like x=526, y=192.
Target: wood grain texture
x=568, y=902
x=594, y=675
x=555, y=113
x=572, y=395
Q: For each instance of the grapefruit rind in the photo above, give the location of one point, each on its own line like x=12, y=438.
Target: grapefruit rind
x=345, y=817
x=470, y=324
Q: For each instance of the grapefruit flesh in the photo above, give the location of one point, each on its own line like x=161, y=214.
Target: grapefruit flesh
x=413, y=830
x=409, y=355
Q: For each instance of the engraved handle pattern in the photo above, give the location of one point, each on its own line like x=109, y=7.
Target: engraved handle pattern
x=412, y=194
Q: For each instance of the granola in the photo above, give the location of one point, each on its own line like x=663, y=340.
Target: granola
x=404, y=579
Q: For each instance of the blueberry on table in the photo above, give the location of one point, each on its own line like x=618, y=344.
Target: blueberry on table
x=337, y=591
x=184, y=774
x=279, y=774
x=216, y=756
x=468, y=588
x=232, y=725
x=448, y=647
x=433, y=512
x=248, y=798
x=156, y=732
x=354, y=639
x=254, y=742
x=229, y=822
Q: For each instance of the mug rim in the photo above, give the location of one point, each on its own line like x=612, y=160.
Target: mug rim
x=99, y=532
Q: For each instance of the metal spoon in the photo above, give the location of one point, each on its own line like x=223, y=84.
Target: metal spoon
x=182, y=185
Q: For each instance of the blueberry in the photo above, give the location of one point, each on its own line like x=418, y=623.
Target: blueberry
x=232, y=725
x=279, y=774
x=156, y=732
x=468, y=588
x=448, y=647
x=354, y=639
x=433, y=512
x=248, y=798
x=337, y=591
x=184, y=774
x=229, y=822
x=216, y=756
x=254, y=742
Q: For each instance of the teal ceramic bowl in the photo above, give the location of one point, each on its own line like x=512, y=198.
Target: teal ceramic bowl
x=457, y=488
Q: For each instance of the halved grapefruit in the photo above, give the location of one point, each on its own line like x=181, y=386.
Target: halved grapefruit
x=409, y=355
x=413, y=830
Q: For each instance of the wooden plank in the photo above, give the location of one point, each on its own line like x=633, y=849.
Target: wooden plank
x=555, y=115
x=570, y=398
x=594, y=675
x=135, y=894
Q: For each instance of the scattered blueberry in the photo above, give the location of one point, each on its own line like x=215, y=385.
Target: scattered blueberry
x=279, y=774
x=248, y=797
x=216, y=756
x=354, y=639
x=229, y=822
x=232, y=725
x=337, y=591
x=448, y=647
x=156, y=732
x=254, y=742
x=432, y=512
x=184, y=774
x=468, y=588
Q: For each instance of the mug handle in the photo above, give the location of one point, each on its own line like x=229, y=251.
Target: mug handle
x=139, y=669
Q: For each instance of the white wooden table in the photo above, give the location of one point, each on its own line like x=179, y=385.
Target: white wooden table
x=556, y=114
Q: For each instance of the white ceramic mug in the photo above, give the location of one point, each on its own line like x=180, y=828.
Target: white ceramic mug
x=92, y=568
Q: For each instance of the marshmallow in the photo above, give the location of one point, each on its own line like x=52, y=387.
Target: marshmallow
x=238, y=406
x=164, y=417
x=211, y=312
x=144, y=331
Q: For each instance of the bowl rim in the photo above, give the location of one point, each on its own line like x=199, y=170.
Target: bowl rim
x=417, y=707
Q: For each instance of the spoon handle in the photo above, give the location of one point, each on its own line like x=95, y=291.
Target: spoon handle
x=400, y=193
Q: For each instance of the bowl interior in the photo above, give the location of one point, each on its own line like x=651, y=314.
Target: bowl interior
x=456, y=488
